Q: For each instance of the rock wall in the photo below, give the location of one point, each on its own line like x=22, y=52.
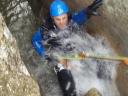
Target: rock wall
x=21, y=23
x=14, y=77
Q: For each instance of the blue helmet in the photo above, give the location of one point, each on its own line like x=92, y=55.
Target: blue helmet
x=58, y=7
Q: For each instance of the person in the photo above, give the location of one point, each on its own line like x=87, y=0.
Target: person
x=60, y=19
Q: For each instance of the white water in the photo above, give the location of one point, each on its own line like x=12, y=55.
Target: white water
x=90, y=73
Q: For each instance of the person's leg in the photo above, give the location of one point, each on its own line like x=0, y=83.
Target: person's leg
x=66, y=81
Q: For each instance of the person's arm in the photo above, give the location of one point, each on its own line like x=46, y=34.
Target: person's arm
x=37, y=42
x=82, y=16
x=43, y=37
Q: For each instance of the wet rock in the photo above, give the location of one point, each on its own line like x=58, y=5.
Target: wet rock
x=93, y=92
x=21, y=23
x=14, y=77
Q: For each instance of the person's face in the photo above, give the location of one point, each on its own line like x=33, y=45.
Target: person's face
x=61, y=21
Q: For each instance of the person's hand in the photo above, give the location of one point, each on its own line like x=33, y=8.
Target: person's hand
x=82, y=55
x=96, y=4
x=64, y=62
x=92, y=9
x=125, y=61
x=54, y=42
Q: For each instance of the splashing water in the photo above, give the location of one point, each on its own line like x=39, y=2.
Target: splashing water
x=90, y=73
x=93, y=73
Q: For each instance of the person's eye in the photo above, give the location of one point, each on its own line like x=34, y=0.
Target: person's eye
x=57, y=19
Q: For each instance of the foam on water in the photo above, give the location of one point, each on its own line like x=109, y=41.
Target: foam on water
x=90, y=73
x=93, y=73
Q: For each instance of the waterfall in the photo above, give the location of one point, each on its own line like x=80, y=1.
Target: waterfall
x=94, y=73
x=89, y=73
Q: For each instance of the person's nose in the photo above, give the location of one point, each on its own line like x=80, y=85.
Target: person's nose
x=61, y=21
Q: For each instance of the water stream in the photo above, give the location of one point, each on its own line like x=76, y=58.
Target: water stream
x=89, y=73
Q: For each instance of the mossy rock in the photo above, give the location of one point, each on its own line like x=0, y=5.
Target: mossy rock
x=93, y=92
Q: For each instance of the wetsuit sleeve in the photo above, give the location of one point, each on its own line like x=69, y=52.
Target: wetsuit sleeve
x=37, y=42
x=80, y=17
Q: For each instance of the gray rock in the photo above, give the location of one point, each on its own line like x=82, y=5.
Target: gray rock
x=14, y=77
